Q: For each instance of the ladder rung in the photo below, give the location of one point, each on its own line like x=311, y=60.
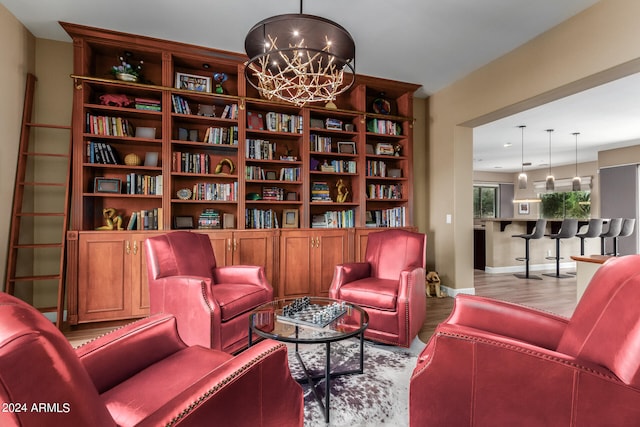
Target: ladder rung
x=44, y=184
x=48, y=126
x=39, y=153
x=37, y=245
x=30, y=214
x=28, y=278
x=47, y=309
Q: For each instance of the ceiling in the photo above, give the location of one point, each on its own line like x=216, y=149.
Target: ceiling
x=429, y=42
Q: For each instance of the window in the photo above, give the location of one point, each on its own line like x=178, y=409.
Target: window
x=571, y=204
x=485, y=201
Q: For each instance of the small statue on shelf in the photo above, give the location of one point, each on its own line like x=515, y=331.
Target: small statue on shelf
x=343, y=191
x=112, y=221
x=219, y=78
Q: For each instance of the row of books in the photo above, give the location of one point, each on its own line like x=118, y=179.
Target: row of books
x=143, y=184
x=215, y=191
x=220, y=135
x=394, y=217
x=190, y=162
x=384, y=191
x=230, y=111
x=385, y=127
x=342, y=166
x=260, y=149
x=290, y=174
x=148, y=104
x=320, y=192
x=150, y=219
x=102, y=153
x=260, y=218
x=320, y=143
x=281, y=122
x=210, y=219
x=107, y=125
x=273, y=193
x=180, y=105
x=334, y=219
x=376, y=168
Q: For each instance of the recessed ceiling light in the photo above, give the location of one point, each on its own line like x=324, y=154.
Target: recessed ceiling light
x=507, y=144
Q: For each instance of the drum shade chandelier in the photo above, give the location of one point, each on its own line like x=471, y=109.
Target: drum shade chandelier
x=522, y=178
x=550, y=184
x=299, y=58
x=576, y=184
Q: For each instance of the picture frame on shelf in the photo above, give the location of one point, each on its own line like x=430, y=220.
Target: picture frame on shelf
x=182, y=222
x=271, y=176
x=255, y=121
x=384, y=149
x=333, y=124
x=346, y=147
x=289, y=218
x=228, y=221
x=107, y=185
x=292, y=196
x=193, y=82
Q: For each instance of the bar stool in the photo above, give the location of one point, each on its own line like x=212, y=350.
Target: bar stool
x=537, y=233
x=615, y=227
x=594, y=229
x=627, y=229
x=568, y=229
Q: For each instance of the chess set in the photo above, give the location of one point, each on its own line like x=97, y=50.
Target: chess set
x=302, y=312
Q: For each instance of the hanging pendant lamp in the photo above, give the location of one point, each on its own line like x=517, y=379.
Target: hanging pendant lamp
x=551, y=181
x=576, y=184
x=522, y=178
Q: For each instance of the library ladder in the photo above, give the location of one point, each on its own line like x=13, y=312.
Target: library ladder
x=40, y=213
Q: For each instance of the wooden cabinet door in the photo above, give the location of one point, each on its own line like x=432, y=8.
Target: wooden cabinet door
x=222, y=243
x=295, y=264
x=331, y=247
x=139, y=277
x=254, y=247
x=104, y=271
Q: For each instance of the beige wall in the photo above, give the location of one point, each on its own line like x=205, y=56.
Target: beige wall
x=597, y=45
x=18, y=58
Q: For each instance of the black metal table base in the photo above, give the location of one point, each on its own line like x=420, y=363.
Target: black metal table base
x=312, y=380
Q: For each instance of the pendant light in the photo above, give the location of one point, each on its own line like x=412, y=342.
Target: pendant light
x=551, y=181
x=522, y=178
x=576, y=184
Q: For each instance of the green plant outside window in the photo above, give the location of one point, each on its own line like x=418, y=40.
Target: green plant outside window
x=485, y=201
x=572, y=204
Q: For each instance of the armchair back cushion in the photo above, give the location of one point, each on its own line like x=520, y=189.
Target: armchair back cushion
x=605, y=326
x=391, y=251
x=180, y=256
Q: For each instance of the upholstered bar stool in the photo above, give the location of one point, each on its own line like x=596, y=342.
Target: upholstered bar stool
x=594, y=229
x=537, y=233
x=568, y=229
x=615, y=227
x=626, y=230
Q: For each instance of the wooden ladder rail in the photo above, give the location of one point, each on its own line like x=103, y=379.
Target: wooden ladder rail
x=18, y=214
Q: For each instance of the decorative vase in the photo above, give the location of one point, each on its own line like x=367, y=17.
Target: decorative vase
x=132, y=159
x=126, y=77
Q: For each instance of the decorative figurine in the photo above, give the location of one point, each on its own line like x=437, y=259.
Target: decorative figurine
x=219, y=78
x=343, y=191
x=111, y=220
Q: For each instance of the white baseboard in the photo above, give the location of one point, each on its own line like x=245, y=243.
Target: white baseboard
x=532, y=267
x=452, y=292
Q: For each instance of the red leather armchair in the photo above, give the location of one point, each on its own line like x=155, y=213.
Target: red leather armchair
x=493, y=363
x=142, y=374
x=389, y=285
x=212, y=304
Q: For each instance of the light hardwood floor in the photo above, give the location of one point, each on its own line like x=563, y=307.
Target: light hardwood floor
x=550, y=294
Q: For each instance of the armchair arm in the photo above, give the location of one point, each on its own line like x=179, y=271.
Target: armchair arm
x=346, y=273
x=117, y=355
x=510, y=320
x=252, y=274
x=249, y=379
x=191, y=301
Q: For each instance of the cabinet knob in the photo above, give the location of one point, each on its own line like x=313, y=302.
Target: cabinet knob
x=235, y=245
x=229, y=245
x=135, y=247
x=128, y=247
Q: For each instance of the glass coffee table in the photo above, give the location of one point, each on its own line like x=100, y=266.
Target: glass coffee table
x=275, y=320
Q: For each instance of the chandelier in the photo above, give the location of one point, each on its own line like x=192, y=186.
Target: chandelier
x=300, y=58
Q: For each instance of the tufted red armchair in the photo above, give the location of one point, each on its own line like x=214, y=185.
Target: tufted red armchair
x=141, y=374
x=389, y=285
x=493, y=363
x=212, y=304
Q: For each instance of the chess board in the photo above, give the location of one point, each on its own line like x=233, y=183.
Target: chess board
x=306, y=316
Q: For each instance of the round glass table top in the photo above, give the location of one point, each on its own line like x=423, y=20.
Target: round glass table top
x=269, y=321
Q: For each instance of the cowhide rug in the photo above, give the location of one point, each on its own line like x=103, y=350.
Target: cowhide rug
x=377, y=397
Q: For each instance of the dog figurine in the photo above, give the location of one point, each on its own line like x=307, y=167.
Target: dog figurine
x=433, y=281
x=115, y=100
